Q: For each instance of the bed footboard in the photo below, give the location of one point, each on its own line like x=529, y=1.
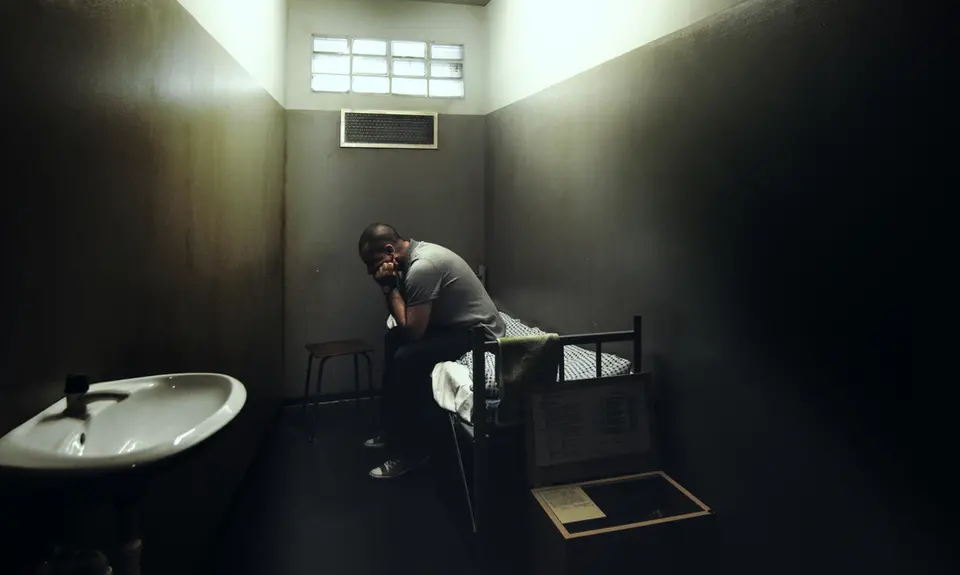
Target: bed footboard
x=479, y=347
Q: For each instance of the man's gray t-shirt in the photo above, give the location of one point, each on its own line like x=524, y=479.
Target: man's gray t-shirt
x=436, y=274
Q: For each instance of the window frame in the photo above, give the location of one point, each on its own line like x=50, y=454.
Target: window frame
x=389, y=57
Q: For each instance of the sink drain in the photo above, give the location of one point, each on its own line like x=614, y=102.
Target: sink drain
x=83, y=438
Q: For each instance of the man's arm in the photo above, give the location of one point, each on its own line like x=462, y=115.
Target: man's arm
x=413, y=320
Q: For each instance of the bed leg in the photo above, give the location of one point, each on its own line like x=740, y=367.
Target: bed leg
x=463, y=472
x=480, y=470
x=637, y=344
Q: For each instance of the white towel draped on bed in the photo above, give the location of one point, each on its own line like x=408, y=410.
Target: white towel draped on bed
x=451, y=388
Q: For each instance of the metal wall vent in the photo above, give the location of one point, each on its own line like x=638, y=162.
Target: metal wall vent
x=377, y=129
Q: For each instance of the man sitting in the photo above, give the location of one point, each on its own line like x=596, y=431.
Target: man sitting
x=435, y=299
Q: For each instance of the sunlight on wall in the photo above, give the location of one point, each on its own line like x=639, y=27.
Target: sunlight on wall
x=535, y=44
x=253, y=32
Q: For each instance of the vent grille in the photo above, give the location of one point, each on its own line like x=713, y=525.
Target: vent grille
x=375, y=129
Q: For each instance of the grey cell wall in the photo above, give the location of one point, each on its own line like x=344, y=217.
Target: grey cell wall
x=332, y=194
x=749, y=184
x=141, y=223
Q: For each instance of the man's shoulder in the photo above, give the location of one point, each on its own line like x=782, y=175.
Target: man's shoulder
x=431, y=251
x=435, y=255
x=422, y=265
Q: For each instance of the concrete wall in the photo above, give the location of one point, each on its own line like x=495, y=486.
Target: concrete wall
x=141, y=231
x=387, y=20
x=333, y=193
x=536, y=43
x=751, y=185
x=254, y=32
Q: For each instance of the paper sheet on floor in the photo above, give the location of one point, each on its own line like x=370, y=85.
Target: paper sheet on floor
x=571, y=504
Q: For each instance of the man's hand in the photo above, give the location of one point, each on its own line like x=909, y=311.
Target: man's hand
x=387, y=274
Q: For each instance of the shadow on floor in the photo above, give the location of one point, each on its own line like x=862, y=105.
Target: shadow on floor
x=311, y=508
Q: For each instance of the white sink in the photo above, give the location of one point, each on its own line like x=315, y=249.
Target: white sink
x=160, y=416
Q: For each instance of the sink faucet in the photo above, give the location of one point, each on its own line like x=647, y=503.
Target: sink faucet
x=77, y=391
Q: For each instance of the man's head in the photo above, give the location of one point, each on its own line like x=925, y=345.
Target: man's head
x=380, y=243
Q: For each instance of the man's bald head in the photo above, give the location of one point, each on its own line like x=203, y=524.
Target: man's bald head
x=381, y=243
x=378, y=236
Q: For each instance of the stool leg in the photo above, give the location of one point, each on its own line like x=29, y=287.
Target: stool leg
x=356, y=380
x=306, y=392
x=316, y=405
x=366, y=356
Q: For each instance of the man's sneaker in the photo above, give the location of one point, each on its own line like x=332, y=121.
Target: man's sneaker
x=392, y=468
x=375, y=442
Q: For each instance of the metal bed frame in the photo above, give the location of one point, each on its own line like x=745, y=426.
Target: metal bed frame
x=478, y=504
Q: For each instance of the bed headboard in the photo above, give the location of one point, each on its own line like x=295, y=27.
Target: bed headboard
x=481, y=272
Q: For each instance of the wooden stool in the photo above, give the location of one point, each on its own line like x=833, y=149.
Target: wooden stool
x=323, y=352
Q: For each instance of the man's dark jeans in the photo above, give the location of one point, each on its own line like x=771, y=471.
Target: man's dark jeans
x=410, y=414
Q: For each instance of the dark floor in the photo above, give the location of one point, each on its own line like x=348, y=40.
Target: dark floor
x=311, y=508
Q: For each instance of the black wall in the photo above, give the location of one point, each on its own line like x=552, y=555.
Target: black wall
x=749, y=185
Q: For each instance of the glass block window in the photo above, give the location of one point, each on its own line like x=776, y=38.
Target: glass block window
x=399, y=67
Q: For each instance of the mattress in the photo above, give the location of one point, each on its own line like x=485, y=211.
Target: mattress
x=453, y=380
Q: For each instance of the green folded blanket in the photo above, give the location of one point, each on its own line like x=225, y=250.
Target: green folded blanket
x=524, y=361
